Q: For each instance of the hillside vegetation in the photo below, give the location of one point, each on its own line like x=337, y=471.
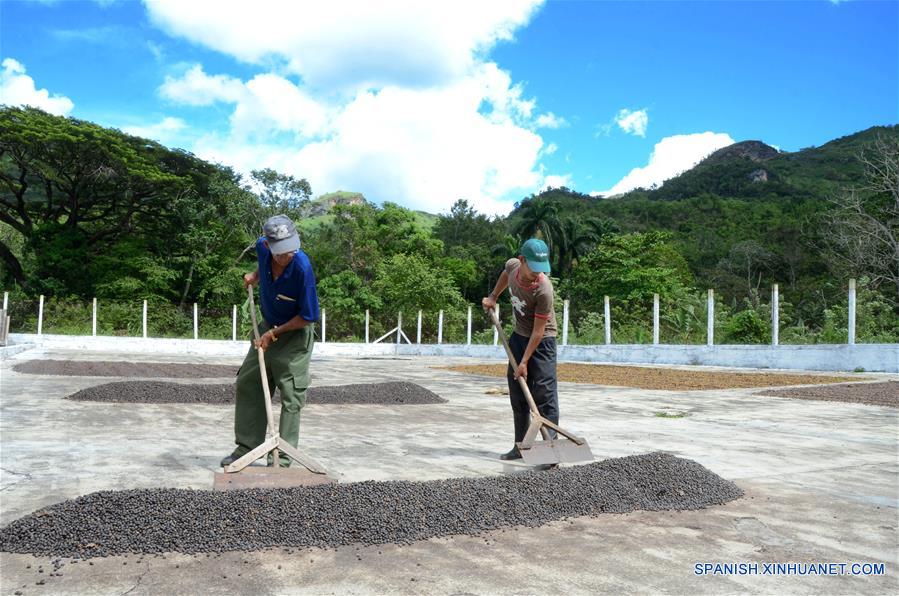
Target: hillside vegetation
x=88, y=212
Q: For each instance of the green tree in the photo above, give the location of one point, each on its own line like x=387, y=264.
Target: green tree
x=629, y=267
x=90, y=185
x=464, y=226
x=577, y=238
x=540, y=218
x=348, y=242
x=408, y=283
x=346, y=297
x=280, y=194
x=210, y=229
x=508, y=247
x=862, y=228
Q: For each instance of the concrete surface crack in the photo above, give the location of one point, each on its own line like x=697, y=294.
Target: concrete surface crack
x=819, y=470
x=25, y=477
x=139, y=579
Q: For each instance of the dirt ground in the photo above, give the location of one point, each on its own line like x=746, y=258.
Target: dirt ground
x=875, y=394
x=645, y=377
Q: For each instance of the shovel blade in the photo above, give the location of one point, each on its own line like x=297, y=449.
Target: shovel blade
x=557, y=451
x=268, y=477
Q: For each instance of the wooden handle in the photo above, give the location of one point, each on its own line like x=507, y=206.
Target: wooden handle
x=262, y=372
x=514, y=363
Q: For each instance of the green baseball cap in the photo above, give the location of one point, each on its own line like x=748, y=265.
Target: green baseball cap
x=536, y=253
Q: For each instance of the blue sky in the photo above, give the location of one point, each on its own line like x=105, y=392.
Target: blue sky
x=422, y=104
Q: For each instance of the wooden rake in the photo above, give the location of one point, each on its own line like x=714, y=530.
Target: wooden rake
x=273, y=442
x=547, y=451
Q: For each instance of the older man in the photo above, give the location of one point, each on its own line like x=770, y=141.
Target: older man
x=289, y=304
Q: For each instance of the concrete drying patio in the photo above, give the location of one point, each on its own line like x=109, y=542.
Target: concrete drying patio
x=821, y=482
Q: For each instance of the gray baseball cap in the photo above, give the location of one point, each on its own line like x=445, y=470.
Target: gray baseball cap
x=281, y=235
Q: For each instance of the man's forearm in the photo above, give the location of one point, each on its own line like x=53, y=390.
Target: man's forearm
x=535, y=339
x=501, y=284
x=293, y=324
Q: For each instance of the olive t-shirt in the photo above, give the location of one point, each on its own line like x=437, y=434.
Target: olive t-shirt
x=530, y=301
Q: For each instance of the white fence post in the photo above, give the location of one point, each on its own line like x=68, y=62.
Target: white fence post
x=851, y=312
x=564, y=322
x=775, y=315
x=196, y=323
x=144, y=319
x=366, y=325
x=418, y=332
x=710, y=322
x=655, y=319
x=399, y=327
x=234, y=323
x=440, y=328
x=468, y=341
x=607, y=320
x=324, y=325
x=94, y=319
x=5, y=300
x=495, y=331
x=40, y=316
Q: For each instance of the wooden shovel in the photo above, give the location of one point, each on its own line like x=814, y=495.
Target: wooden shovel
x=273, y=443
x=547, y=451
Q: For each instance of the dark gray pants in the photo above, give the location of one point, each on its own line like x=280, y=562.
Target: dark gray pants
x=541, y=383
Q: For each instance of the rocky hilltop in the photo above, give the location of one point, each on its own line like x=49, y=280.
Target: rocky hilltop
x=754, y=150
x=323, y=204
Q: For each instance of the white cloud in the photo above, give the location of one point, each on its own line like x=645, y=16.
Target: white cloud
x=275, y=104
x=393, y=99
x=633, y=122
x=550, y=120
x=603, y=130
x=17, y=88
x=554, y=181
x=550, y=149
x=423, y=148
x=346, y=42
x=196, y=88
x=266, y=104
x=670, y=157
x=164, y=131
x=89, y=34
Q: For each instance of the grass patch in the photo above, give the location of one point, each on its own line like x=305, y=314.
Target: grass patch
x=669, y=415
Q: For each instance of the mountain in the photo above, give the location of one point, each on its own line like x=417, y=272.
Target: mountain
x=323, y=204
x=746, y=201
x=752, y=150
x=752, y=170
x=318, y=211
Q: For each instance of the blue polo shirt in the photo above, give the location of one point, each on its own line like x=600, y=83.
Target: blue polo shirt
x=291, y=294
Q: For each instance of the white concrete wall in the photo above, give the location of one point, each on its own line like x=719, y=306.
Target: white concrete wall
x=13, y=349
x=871, y=357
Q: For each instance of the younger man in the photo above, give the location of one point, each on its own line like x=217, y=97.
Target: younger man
x=534, y=341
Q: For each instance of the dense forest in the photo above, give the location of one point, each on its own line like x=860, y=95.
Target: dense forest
x=87, y=211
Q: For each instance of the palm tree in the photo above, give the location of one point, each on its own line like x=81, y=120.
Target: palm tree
x=539, y=218
x=602, y=227
x=574, y=235
x=509, y=247
x=580, y=237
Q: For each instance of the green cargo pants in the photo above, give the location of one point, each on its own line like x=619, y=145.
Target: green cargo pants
x=287, y=364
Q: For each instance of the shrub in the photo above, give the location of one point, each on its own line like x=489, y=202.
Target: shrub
x=747, y=327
